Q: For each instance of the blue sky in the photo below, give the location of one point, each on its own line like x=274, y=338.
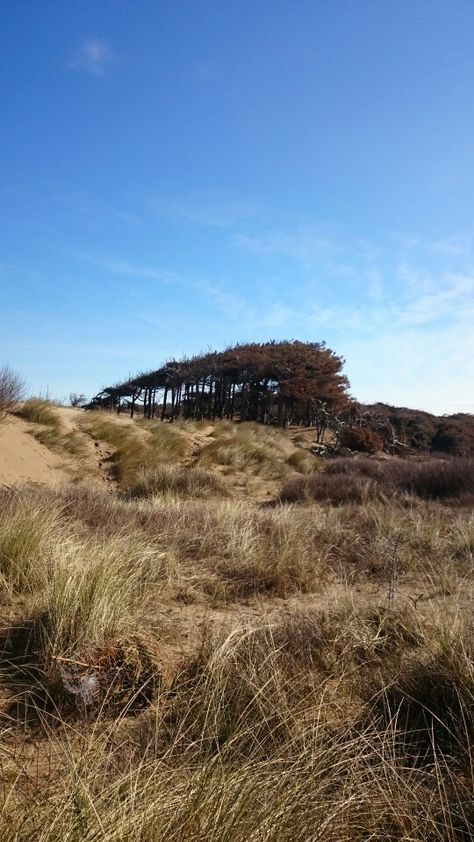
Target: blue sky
x=185, y=174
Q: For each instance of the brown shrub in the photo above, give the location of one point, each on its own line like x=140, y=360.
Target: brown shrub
x=436, y=479
x=360, y=479
x=362, y=439
x=336, y=488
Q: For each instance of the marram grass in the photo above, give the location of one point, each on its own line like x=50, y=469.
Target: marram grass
x=208, y=669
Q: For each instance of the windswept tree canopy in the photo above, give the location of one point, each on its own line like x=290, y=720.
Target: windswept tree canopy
x=271, y=382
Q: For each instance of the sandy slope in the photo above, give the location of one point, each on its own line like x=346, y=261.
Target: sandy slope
x=23, y=459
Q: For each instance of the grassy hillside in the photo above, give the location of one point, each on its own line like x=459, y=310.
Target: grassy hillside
x=228, y=638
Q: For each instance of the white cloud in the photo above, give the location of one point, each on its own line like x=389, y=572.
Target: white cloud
x=93, y=55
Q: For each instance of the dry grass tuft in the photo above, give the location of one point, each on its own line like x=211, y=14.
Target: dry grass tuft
x=178, y=481
x=138, y=447
x=168, y=439
x=248, y=551
x=39, y=411
x=431, y=698
x=303, y=461
x=28, y=531
x=49, y=429
x=234, y=693
x=247, y=448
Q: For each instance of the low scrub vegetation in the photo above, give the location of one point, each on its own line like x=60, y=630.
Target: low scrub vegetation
x=359, y=480
x=451, y=434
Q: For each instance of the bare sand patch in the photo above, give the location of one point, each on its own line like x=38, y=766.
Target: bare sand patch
x=23, y=459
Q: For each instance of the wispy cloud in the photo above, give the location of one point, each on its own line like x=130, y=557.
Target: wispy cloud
x=304, y=244
x=401, y=314
x=405, y=330
x=73, y=347
x=221, y=293
x=450, y=295
x=225, y=299
x=213, y=214
x=127, y=268
x=454, y=246
x=93, y=55
x=80, y=206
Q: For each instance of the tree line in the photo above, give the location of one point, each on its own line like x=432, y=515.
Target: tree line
x=282, y=383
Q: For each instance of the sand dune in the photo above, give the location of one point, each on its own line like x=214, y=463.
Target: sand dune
x=23, y=459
